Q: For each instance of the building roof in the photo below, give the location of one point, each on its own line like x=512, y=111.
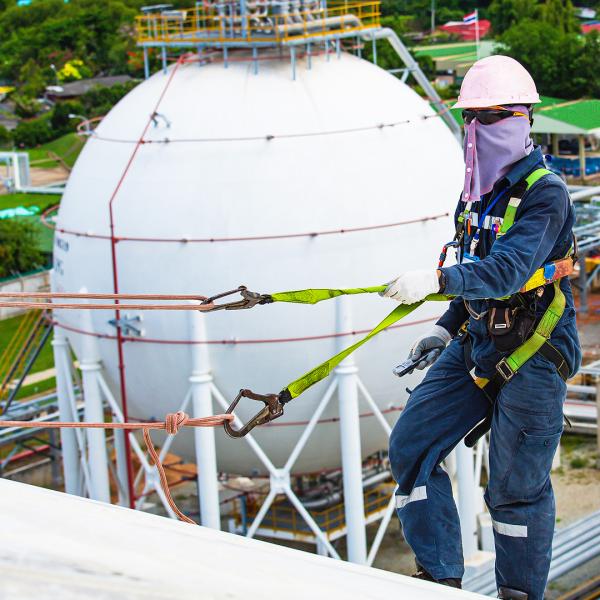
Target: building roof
x=89, y=549
x=78, y=88
x=467, y=31
x=455, y=57
x=584, y=114
x=566, y=117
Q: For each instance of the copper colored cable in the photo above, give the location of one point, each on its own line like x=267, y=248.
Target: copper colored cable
x=102, y=296
x=120, y=307
x=172, y=424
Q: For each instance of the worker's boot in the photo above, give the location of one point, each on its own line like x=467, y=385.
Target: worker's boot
x=506, y=593
x=423, y=574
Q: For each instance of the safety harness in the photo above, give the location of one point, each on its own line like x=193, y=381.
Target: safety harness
x=505, y=370
x=538, y=341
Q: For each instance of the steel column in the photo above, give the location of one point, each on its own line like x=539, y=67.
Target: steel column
x=204, y=437
x=94, y=411
x=163, y=54
x=121, y=457
x=68, y=439
x=465, y=477
x=350, y=445
x=146, y=64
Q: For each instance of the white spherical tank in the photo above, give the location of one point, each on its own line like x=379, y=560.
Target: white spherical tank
x=197, y=188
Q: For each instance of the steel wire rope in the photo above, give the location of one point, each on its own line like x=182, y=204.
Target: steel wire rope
x=233, y=341
x=270, y=137
x=252, y=238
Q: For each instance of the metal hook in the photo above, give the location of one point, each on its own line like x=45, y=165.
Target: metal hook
x=272, y=410
x=249, y=299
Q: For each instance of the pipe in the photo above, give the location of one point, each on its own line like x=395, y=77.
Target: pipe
x=337, y=496
x=413, y=67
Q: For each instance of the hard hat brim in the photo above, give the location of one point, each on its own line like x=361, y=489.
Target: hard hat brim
x=498, y=101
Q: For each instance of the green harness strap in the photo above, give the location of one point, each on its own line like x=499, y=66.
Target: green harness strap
x=296, y=387
x=513, y=204
x=542, y=332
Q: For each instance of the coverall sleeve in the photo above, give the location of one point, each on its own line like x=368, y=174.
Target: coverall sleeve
x=454, y=317
x=515, y=256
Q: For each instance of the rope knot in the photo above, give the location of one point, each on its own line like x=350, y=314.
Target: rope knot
x=174, y=421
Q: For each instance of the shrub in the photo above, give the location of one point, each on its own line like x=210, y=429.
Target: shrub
x=19, y=247
x=28, y=134
x=6, y=138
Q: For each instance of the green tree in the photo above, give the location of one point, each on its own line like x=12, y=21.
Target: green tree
x=561, y=15
x=6, y=139
x=504, y=14
x=28, y=134
x=19, y=247
x=30, y=80
x=60, y=121
x=584, y=72
x=554, y=59
x=54, y=32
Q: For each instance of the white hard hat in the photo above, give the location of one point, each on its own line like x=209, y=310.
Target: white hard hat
x=497, y=80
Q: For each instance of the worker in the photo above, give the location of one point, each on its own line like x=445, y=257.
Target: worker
x=514, y=225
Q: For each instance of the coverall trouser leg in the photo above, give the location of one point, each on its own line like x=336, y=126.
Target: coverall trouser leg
x=438, y=414
x=525, y=433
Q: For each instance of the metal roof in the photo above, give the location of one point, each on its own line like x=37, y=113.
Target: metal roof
x=565, y=117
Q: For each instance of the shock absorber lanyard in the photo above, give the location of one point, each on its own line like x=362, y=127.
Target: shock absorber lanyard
x=274, y=403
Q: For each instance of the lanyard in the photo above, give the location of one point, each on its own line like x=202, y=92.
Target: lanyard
x=481, y=220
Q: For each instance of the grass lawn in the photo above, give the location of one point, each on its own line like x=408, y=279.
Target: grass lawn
x=44, y=201
x=67, y=147
x=8, y=327
x=37, y=388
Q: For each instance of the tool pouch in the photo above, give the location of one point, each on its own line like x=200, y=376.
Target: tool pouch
x=508, y=326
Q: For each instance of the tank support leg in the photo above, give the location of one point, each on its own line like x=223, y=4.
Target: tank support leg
x=68, y=439
x=350, y=444
x=94, y=411
x=204, y=437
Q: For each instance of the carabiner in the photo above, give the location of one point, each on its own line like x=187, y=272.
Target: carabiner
x=249, y=300
x=272, y=410
x=444, y=253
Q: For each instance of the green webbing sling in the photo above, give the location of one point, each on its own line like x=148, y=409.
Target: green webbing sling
x=296, y=387
x=274, y=403
x=313, y=296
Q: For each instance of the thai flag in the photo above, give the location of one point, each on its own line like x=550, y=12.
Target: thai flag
x=470, y=18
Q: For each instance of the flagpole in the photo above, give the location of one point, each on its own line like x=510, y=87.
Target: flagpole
x=477, y=31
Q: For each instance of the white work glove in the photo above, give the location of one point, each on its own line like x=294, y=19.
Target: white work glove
x=434, y=341
x=413, y=286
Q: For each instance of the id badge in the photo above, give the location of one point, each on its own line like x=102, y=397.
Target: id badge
x=469, y=258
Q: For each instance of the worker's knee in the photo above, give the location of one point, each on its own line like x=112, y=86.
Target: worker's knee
x=403, y=453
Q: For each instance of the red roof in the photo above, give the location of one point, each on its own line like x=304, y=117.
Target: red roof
x=467, y=31
x=587, y=27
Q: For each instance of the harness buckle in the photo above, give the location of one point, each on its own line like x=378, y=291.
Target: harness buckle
x=272, y=410
x=505, y=370
x=249, y=300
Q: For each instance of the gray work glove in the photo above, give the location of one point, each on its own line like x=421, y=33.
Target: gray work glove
x=433, y=342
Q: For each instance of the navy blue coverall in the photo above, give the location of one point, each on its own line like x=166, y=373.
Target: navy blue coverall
x=528, y=415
